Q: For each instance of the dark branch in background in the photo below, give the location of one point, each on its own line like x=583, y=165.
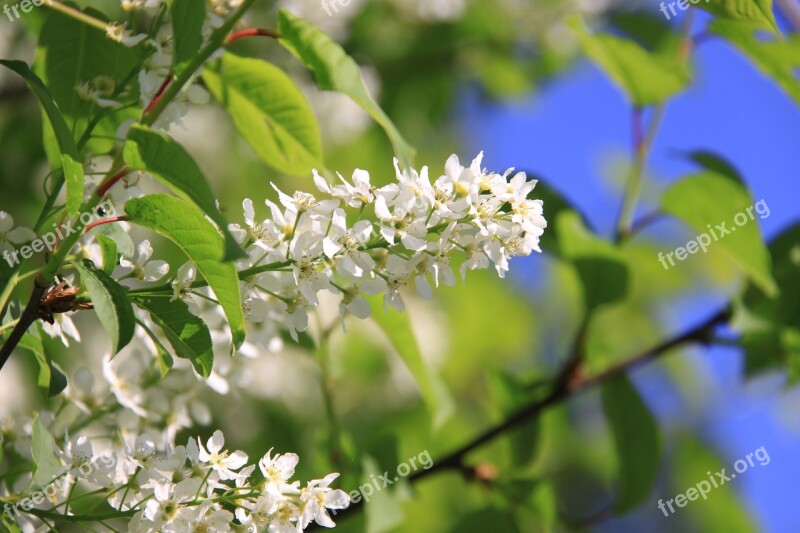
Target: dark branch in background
x=29, y=316
x=568, y=383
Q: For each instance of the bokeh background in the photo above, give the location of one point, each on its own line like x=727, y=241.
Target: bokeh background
x=505, y=77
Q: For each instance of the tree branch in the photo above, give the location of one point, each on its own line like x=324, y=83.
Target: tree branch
x=29, y=316
x=567, y=385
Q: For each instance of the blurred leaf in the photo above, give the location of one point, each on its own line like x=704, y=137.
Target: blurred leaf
x=651, y=30
x=722, y=510
x=715, y=163
x=397, y=328
x=46, y=464
x=269, y=111
x=159, y=154
x=554, y=203
x=187, y=30
x=637, y=442
x=757, y=12
x=709, y=202
x=108, y=250
x=647, y=78
x=51, y=379
x=382, y=507
x=187, y=333
x=186, y=226
x=769, y=324
x=111, y=304
x=70, y=159
x=486, y=520
x=600, y=265
x=510, y=394
x=775, y=55
x=70, y=54
x=334, y=70
x=119, y=236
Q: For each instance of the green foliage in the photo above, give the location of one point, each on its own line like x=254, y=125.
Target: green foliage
x=770, y=324
x=50, y=379
x=775, y=55
x=757, y=12
x=187, y=27
x=108, y=250
x=46, y=464
x=397, y=328
x=601, y=267
x=706, y=201
x=646, y=77
x=722, y=511
x=111, y=304
x=184, y=225
x=71, y=166
x=188, y=334
x=637, y=442
x=334, y=70
x=159, y=154
x=269, y=111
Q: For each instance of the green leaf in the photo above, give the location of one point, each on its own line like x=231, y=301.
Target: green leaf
x=269, y=111
x=46, y=465
x=775, y=55
x=510, y=394
x=70, y=54
x=119, y=236
x=108, y=249
x=647, y=78
x=397, y=328
x=715, y=163
x=769, y=324
x=721, y=509
x=70, y=160
x=187, y=333
x=160, y=155
x=334, y=70
x=187, y=29
x=601, y=267
x=757, y=12
x=714, y=205
x=636, y=439
x=111, y=304
x=185, y=225
x=50, y=377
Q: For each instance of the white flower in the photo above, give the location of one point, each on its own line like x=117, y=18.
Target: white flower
x=142, y=267
x=116, y=32
x=62, y=327
x=278, y=471
x=182, y=285
x=10, y=237
x=317, y=498
x=220, y=460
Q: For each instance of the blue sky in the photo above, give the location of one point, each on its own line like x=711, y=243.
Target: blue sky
x=565, y=133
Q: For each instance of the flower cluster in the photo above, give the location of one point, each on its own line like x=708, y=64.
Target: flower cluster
x=192, y=487
x=358, y=240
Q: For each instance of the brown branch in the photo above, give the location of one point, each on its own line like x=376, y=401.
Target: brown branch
x=568, y=384
x=29, y=316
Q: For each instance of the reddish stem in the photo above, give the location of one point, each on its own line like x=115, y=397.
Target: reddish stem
x=103, y=188
x=251, y=32
x=103, y=221
x=159, y=93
